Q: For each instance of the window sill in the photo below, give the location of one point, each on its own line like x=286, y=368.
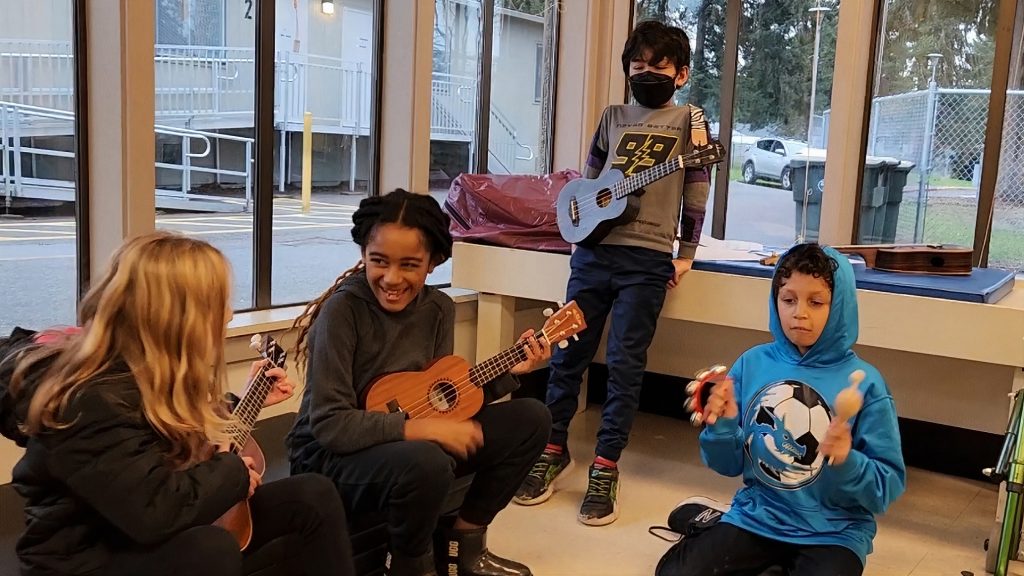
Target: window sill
x=275, y=319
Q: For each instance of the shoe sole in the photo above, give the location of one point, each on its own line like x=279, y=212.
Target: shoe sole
x=602, y=521
x=546, y=495
x=705, y=501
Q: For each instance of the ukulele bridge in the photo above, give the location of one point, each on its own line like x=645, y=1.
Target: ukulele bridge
x=574, y=211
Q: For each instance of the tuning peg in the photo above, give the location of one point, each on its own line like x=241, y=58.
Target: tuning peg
x=548, y=312
x=563, y=344
x=560, y=303
x=576, y=337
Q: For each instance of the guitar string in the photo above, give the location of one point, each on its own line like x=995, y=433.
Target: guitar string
x=425, y=406
x=690, y=160
x=496, y=365
x=590, y=199
x=247, y=412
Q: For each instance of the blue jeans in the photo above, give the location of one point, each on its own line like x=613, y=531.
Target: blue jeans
x=630, y=283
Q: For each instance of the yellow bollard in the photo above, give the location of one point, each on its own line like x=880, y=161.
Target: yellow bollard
x=307, y=159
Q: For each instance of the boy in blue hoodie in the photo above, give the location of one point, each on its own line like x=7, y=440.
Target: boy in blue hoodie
x=772, y=419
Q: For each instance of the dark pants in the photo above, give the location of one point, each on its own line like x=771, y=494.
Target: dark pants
x=727, y=550
x=630, y=283
x=410, y=480
x=304, y=509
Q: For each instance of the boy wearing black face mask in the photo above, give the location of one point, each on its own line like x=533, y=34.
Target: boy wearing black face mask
x=630, y=271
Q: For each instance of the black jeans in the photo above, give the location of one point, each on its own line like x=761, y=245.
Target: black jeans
x=630, y=283
x=303, y=509
x=409, y=480
x=727, y=550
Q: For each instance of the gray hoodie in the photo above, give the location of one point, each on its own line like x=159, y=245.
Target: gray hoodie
x=352, y=343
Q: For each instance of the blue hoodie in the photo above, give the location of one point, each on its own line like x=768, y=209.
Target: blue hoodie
x=786, y=401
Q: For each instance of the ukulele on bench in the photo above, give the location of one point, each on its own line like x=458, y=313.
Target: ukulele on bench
x=238, y=519
x=449, y=388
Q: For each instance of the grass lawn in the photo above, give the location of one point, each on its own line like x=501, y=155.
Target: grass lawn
x=951, y=221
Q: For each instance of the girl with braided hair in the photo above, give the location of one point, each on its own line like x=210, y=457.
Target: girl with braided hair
x=380, y=317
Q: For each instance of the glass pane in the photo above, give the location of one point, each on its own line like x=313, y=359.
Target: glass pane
x=205, y=94
x=328, y=63
x=1006, y=241
x=704, y=24
x=454, y=102
x=38, y=231
x=786, y=55
x=521, y=86
x=927, y=126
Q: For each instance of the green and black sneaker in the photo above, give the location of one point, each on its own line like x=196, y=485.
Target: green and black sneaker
x=539, y=484
x=599, y=506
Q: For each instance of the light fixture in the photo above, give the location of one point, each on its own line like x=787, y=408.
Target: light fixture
x=327, y=6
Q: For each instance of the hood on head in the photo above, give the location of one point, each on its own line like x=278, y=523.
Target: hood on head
x=841, y=330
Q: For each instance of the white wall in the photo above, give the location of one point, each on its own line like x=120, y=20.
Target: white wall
x=36, y=20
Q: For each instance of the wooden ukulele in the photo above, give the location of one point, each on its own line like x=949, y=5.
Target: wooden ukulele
x=941, y=259
x=587, y=210
x=449, y=388
x=915, y=258
x=238, y=519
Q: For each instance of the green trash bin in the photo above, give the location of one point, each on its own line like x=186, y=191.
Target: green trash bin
x=804, y=169
x=897, y=181
x=874, y=199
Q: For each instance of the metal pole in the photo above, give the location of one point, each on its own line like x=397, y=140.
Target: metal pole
x=926, y=152
x=817, y=11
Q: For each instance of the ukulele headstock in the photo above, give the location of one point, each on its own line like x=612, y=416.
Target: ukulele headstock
x=564, y=323
x=713, y=153
x=269, y=349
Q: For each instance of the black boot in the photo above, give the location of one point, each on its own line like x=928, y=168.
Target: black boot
x=399, y=565
x=464, y=553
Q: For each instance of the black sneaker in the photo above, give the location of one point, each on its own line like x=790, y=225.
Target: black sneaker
x=696, y=513
x=539, y=484
x=599, y=506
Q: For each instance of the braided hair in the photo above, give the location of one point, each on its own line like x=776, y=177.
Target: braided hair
x=418, y=211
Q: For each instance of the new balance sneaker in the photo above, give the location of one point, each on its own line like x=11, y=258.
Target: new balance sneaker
x=539, y=484
x=696, y=513
x=599, y=505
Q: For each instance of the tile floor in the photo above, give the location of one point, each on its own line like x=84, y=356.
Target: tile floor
x=937, y=527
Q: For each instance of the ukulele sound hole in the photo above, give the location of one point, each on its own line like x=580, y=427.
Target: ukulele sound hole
x=443, y=396
x=938, y=261
x=604, y=198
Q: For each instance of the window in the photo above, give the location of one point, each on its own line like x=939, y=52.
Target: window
x=206, y=136
x=38, y=230
x=454, y=95
x=205, y=94
x=1006, y=236
x=780, y=128
x=328, y=75
x=926, y=132
x=518, y=132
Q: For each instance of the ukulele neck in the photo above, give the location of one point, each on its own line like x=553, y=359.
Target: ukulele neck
x=249, y=406
x=638, y=181
x=500, y=363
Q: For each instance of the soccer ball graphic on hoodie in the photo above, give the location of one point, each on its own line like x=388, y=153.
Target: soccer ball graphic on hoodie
x=785, y=423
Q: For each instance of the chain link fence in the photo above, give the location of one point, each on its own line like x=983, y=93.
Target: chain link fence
x=942, y=131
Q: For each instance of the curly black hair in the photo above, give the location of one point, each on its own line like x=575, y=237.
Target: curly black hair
x=663, y=41
x=807, y=259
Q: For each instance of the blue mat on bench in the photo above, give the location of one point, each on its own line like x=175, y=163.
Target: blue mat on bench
x=984, y=285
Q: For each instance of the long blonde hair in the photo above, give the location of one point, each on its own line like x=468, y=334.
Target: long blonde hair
x=162, y=309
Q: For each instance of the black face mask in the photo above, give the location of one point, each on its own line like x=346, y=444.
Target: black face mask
x=652, y=89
